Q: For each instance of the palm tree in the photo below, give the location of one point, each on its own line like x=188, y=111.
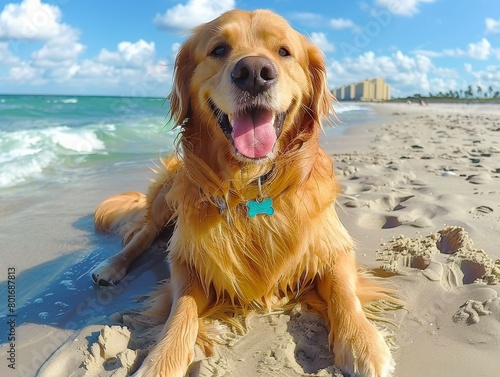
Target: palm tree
x=497, y=94
x=490, y=90
x=468, y=93
x=479, y=91
x=461, y=93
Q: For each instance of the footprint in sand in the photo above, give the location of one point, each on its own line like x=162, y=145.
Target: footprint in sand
x=448, y=256
x=471, y=311
x=390, y=203
x=481, y=210
x=480, y=179
x=389, y=211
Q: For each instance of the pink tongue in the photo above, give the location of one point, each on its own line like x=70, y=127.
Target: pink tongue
x=254, y=134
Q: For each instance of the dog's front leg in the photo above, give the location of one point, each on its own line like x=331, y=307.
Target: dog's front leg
x=113, y=269
x=174, y=351
x=360, y=349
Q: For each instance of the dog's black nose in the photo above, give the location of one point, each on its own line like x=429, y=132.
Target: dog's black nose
x=254, y=74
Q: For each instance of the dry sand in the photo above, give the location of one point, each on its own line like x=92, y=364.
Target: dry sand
x=422, y=199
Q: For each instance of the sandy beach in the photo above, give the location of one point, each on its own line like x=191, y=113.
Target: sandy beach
x=421, y=196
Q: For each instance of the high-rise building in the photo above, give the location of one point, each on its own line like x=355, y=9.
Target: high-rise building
x=367, y=90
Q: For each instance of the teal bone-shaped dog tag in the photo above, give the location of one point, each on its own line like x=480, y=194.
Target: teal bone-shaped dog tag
x=256, y=207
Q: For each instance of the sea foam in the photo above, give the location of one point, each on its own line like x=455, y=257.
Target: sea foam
x=25, y=154
x=344, y=108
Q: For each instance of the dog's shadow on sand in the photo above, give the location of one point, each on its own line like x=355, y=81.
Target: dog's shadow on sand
x=60, y=292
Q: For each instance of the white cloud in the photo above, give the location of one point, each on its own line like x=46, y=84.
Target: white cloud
x=24, y=72
x=93, y=69
x=442, y=85
x=33, y=20
x=492, y=26
x=320, y=40
x=395, y=68
x=57, y=67
x=6, y=56
x=184, y=17
x=454, y=52
x=343, y=23
x=129, y=54
x=428, y=53
x=61, y=51
x=480, y=50
x=451, y=52
x=487, y=77
x=402, y=7
x=132, y=69
x=175, y=48
x=30, y=20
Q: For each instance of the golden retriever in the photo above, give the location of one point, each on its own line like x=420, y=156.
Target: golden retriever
x=252, y=196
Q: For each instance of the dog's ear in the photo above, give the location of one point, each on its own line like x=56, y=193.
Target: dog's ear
x=179, y=96
x=321, y=99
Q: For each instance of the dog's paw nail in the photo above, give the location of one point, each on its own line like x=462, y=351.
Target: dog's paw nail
x=100, y=282
x=103, y=283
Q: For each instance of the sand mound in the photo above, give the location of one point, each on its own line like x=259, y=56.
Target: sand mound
x=95, y=351
x=448, y=256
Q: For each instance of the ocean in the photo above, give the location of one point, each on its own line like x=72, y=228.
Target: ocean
x=53, y=138
x=59, y=157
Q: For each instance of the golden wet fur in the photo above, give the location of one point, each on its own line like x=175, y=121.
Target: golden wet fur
x=222, y=261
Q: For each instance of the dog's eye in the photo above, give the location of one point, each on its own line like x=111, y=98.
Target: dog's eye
x=284, y=52
x=220, y=51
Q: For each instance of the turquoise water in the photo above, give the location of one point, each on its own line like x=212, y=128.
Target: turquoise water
x=43, y=137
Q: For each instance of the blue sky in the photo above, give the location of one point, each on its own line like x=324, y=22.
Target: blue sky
x=125, y=47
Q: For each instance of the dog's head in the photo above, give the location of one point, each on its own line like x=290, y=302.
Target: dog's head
x=256, y=80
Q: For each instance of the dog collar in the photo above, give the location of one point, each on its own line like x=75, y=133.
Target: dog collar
x=261, y=205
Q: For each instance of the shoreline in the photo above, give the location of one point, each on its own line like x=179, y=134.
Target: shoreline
x=421, y=197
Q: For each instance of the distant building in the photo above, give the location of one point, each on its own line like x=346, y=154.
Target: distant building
x=367, y=90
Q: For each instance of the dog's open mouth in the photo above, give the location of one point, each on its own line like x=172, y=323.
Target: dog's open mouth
x=253, y=131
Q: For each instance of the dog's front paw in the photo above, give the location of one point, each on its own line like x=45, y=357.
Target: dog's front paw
x=107, y=273
x=366, y=354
